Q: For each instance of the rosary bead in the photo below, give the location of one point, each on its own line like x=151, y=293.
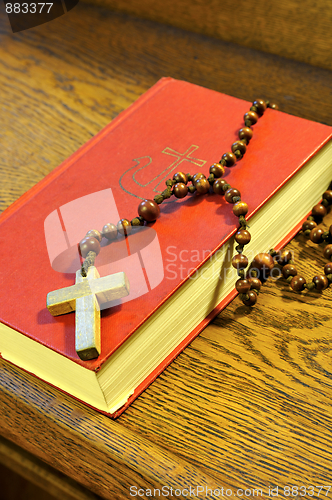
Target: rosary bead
x=230, y=194
x=319, y=210
x=167, y=193
x=191, y=189
x=218, y=186
x=289, y=270
x=180, y=177
x=240, y=208
x=217, y=170
x=202, y=186
x=110, y=231
x=316, y=235
x=245, y=133
x=89, y=244
x=330, y=229
x=321, y=282
x=251, y=300
x=251, y=116
x=273, y=106
x=158, y=198
x=328, y=196
x=239, y=146
x=297, y=283
x=197, y=176
x=149, y=210
x=283, y=257
x=124, y=227
x=137, y=221
x=94, y=234
x=242, y=286
x=240, y=261
x=328, y=268
x=180, y=190
x=169, y=183
x=229, y=158
x=328, y=252
x=263, y=260
x=255, y=284
x=211, y=179
x=242, y=237
x=309, y=225
x=260, y=105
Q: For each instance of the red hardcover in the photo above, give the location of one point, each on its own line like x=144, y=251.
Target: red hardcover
x=174, y=126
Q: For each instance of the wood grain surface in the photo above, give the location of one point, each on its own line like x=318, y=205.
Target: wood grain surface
x=38, y=473
x=288, y=28
x=248, y=403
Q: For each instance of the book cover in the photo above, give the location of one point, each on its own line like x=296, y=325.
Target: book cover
x=175, y=126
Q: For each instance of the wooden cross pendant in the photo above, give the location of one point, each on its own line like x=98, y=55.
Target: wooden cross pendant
x=86, y=297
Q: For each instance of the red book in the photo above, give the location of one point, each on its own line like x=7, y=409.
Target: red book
x=176, y=265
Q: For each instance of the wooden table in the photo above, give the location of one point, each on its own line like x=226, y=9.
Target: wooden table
x=248, y=403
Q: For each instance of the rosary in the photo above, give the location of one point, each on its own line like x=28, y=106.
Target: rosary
x=90, y=291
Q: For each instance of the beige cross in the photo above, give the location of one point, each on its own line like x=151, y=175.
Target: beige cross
x=86, y=297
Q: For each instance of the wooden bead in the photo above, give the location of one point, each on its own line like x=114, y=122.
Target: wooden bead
x=124, y=227
x=260, y=105
x=283, y=257
x=180, y=190
x=240, y=208
x=297, y=283
x=255, y=284
x=110, y=231
x=197, y=176
x=251, y=300
x=242, y=286
x=239, y=146
x=94, y=234
x=230, y=194
x=328, y=195
x=245, y=133
x=316, y=235
x=328, y=252
x=218, y=186
x=309, y=224
x=180, y=177
x=251, y=116
x=229, y=158
x=240, y=261
x=217, y=170
x=202, y=186
x=87, y=245
x=263, y=260
x=319, y=211
x=273, y=106
x=242, y=237
x=328, y=268
x=321, y=282
x=289, y=270
x=137, y=221
x=149, y=210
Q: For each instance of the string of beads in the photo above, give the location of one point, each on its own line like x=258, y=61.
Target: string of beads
x=149, y=211
x=261, y=267
x=183, y=184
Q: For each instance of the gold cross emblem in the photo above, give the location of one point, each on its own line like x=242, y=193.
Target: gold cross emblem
x=86, y=297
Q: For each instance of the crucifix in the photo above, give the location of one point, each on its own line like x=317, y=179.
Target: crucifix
x=86, y=297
